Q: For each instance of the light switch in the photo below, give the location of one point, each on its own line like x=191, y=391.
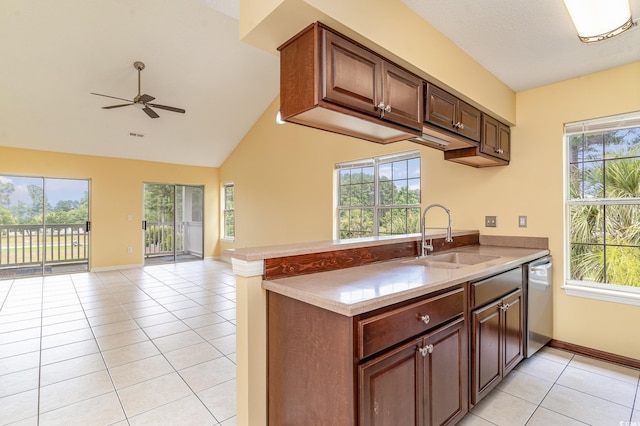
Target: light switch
x=522, y=221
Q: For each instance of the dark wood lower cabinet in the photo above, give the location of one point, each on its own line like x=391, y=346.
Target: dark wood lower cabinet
x=406, y=364
x=421, y=383
x=391, y=387
x=497, y=343
x=318, y=375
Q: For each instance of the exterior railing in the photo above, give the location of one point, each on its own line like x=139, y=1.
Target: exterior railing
x=22, y=245
x=159, y=238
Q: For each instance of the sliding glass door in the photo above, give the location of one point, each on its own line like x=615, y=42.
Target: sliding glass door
x=173, y=223
x=44, y=225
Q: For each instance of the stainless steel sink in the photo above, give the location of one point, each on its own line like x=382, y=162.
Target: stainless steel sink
x=460, y=258
x=454, y=260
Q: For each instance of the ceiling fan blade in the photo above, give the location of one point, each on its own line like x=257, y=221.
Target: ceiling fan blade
x=168, y=108
x=112, y=97
x=116, y=106
x=145, y=98
x=151, y=113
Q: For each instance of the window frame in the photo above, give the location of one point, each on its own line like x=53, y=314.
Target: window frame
x=618, y=293
x=226, y=210
x=375, y=162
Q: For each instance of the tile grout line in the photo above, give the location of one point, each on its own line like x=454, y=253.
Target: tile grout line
x=555, y=382
x=84, y=312
x=100, y=284
x=40, y=351
x=154, y=344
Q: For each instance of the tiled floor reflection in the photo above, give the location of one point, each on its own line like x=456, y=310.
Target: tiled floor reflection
x=559, y=388
x=147, y=346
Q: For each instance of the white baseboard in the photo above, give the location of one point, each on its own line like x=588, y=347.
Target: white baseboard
x=116, y=267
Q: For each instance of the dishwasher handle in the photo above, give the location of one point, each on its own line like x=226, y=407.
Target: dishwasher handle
x=540, y=267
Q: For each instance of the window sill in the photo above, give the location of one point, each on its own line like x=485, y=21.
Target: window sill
x=626, y=295
x=227, y=239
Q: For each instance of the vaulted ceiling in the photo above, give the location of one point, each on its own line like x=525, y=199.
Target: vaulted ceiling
x=54, y=53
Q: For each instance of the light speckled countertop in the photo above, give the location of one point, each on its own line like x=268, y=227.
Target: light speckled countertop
x=361, y=289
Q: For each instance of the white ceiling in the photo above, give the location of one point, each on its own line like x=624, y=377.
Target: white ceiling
x=527, y=43
x=54, y=53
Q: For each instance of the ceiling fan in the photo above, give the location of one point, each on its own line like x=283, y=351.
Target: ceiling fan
x=141, y=101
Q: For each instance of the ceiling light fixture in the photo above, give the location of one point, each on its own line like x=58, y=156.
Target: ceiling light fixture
x=597, y=20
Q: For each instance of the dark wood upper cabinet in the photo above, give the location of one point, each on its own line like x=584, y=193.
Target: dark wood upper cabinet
x=403, y=96
x=352, y=75
x=496, y=138
x=494, y=148
x=332, y=83
x=447, y=111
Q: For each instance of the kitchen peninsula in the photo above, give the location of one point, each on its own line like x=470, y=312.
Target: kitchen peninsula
x=331, y=316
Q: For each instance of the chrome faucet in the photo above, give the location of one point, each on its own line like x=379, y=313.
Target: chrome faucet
x=424, y=247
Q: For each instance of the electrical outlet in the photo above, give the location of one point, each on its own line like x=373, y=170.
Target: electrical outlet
x=522, y=221
x=491, y=221
x=129, y=250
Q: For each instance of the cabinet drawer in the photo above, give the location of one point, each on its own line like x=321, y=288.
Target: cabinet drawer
x=385, y=330
x=495, y=287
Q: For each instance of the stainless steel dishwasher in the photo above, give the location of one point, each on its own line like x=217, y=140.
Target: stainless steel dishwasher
x=539, y=296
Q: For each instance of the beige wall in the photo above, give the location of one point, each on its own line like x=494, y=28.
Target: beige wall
x=116, y=192
x=541, y=114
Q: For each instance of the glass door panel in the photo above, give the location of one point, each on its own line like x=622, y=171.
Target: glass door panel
x=172, y=223
x=189, y=229
x=66, y=225
x=159, y=218
x=21, y=231
x=43, y=226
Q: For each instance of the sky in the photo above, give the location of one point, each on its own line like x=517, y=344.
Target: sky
x=56, y=189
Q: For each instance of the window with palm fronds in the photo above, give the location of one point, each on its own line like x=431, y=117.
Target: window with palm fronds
x=604, y=200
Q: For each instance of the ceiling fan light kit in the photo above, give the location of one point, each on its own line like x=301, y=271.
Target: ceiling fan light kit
x=597, y=20
x=141, y=101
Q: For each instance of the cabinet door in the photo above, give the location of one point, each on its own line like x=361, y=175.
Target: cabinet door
x=486, y=330
x=513, y=351
x=446, y=375
x=352, y=75
x=441, y=108
x=470, y=119
x=403, y=97
x=390, y=387
x=496, y=138
x=504, y=138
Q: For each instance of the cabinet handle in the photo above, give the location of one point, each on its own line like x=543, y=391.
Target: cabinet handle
x=425, y=319
x=459, y=126
x=381, y=106
x=500, y=151
x=505, y=307
x=387, y=108
x=426, y=350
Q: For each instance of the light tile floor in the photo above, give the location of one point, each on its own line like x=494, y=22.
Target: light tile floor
x=146, y=346
x=556, y=387
x=156, y=345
